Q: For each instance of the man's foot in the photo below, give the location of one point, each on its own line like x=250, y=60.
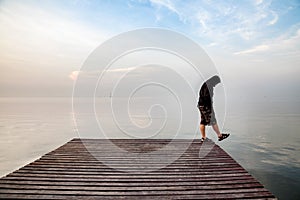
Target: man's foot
x=223, y=136
x=204, y=139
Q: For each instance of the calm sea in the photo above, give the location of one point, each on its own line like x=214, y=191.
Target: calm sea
x=265, y=136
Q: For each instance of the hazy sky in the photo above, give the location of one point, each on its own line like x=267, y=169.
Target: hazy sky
x=255, y=44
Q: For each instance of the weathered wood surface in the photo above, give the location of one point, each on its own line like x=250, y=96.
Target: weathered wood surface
x=73, y=171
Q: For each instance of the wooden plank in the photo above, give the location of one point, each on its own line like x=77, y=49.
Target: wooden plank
x=124, y=180
x=127, y=192
x=71, y=171
x=91, y=172
x=261, y=195
x=132, y=176
x=99, y=183
x=102, y=169
x=142, y=187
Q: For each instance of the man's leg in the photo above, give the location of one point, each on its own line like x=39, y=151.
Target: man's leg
x=202, y=130
x=216, y=129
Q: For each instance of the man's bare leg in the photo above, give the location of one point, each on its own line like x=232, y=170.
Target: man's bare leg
x=217, y=130
x=202, y=130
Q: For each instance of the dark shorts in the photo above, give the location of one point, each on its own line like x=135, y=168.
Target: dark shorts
x=207, y=115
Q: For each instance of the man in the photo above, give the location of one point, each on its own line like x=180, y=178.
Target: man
x=205, y=105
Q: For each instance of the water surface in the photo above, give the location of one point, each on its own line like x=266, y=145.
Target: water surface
x=264, y=135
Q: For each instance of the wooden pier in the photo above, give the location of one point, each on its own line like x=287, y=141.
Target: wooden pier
x=72, y=171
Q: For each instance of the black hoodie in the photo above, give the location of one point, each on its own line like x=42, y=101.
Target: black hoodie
x=207, y=92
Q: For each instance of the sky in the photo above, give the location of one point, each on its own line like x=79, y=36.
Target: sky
x=254, y=44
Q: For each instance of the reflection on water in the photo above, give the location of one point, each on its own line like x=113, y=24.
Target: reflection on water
x=265, y=140
x=264, y=136
x=31, y=128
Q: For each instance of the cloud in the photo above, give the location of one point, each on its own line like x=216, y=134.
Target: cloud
x=275, y=19
x=41, y=44
x=73, y=76
x=88, y=74
x=166, y=3
x=247, y=24
x=171, y=6
x=287, y=44
x=203, y=18
x=257, y=2
x=37, y=34
x=116, y=70
x=255, y=49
